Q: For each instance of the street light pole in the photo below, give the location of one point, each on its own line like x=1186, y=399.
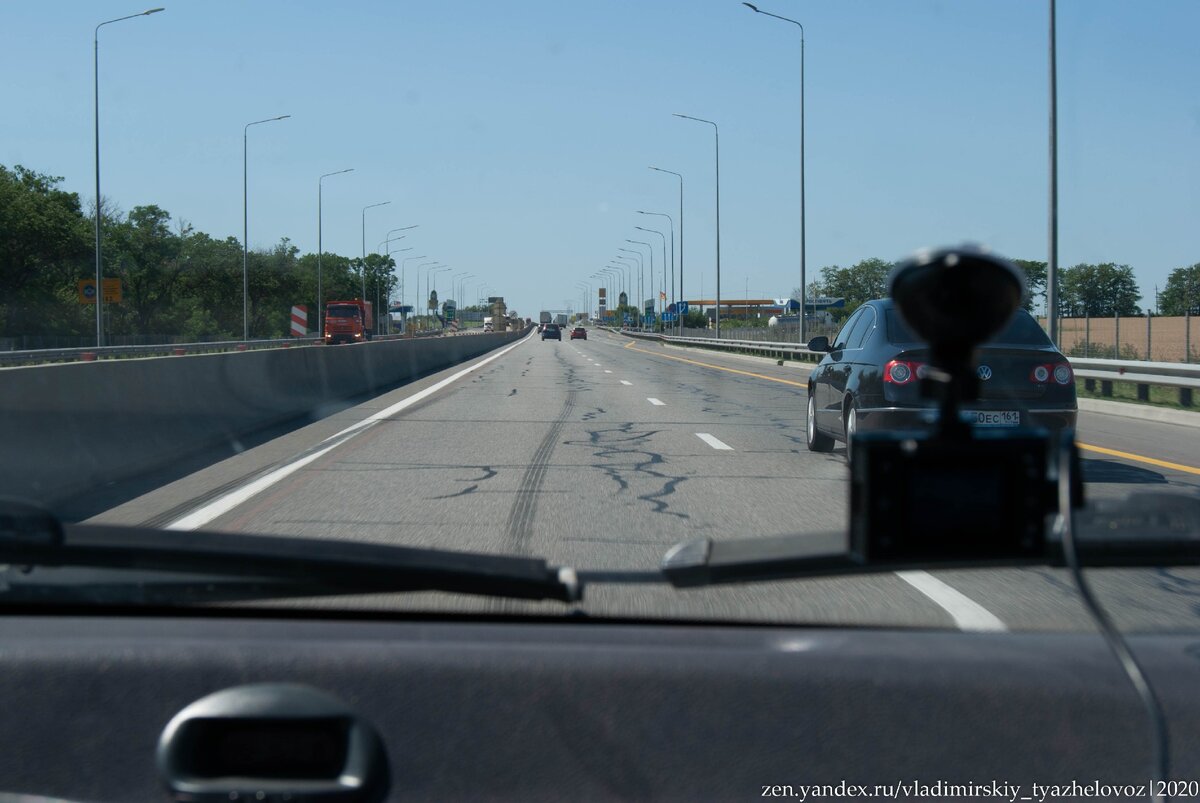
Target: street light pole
x=641, y=272
x=404, y=281
x=626, y=276
x=1052, y=255
x=629, y=281
x=321, y=248
x=717, y=142
x=803, y=241
x=420, y=307
x=650, y=249
x=364, y=245
x=96, y=92
x=246, y=225
x=671, y=223
x=433, y=274
x=379, y=318
x=658, y=298
x=388, y=238
x=682, y=297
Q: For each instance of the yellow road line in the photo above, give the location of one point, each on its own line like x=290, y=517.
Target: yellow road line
x=632, y=345
x=1139, y=458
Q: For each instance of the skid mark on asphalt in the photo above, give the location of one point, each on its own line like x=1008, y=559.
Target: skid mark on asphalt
x=518, y=528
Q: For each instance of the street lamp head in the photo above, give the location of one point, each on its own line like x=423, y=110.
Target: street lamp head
x=152, y=11
x=281, y=117
x=751, y=6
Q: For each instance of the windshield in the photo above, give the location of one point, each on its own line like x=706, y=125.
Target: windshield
x=1021, y=330
x=702, y=186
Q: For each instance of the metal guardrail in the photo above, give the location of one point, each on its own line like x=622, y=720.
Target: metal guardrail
x=1184, y=376
x=42, y=356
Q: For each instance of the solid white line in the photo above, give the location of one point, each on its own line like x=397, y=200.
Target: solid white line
x=409, y=401
x=200, y=517
x=714, y=442
x=657, y=403
x=966, y=612
x=223, y=504
x=626, y=382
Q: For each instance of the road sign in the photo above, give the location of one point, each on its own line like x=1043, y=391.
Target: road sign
x=681, y=307
x=299, y=320
x=450, y=309
x=112, y=291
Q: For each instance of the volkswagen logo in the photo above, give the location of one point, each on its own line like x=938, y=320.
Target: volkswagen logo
x=985, y=372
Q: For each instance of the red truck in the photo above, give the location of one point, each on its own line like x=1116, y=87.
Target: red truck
x=348, y=321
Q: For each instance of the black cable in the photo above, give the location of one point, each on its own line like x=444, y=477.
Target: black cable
x=1160, y=770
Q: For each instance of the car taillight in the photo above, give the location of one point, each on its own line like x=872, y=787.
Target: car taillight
x=1062, y=373
x=901, y=372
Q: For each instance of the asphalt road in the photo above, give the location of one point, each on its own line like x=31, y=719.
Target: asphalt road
x=601, y=454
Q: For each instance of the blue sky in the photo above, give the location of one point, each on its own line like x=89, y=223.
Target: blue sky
x=518, y=134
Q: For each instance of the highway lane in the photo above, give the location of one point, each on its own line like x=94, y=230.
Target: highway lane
x=600, y=454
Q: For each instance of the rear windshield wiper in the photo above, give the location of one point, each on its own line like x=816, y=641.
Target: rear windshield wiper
x=30, y=536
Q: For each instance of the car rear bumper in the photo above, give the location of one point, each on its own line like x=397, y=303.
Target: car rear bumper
x=874, y=419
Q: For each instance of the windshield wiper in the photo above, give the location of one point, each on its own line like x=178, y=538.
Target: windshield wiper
x=1144, y=529
x=30, y=536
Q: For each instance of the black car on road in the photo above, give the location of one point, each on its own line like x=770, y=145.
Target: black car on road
x=552, y=330
x=869, y=379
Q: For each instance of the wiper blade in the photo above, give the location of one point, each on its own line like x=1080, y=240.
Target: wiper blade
x=1145, y=529
x=29, y=536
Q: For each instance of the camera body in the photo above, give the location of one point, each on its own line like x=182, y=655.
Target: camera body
x=958, y=492
x=921, y=497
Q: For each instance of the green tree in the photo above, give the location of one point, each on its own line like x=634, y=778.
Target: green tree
x=145, y=255
x=1035, y=276
x=275, y=287
x=212, y=287
x=858, y=283
x=1182, y=293
x=1099, y=291
x=44, y=245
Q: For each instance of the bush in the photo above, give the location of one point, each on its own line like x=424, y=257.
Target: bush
x=1100, y=351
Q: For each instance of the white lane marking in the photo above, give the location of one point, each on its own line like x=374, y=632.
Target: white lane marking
x=223, y=504
x=966, y=612
x=626, y=382
x=714, y=442
x=607, y=371
x=657, y=403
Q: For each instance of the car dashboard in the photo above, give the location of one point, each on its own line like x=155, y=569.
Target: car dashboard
x=546, y=709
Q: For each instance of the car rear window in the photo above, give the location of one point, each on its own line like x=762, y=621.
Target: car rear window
x=1022, y=330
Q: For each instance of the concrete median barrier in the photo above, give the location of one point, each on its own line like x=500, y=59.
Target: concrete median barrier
x=75, y=427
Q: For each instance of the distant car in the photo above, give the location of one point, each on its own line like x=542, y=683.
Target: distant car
x=541, y=326
x=579, y=333
x=551, y=330
x=869, y=379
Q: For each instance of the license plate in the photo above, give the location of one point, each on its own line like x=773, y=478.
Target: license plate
x=997, y=418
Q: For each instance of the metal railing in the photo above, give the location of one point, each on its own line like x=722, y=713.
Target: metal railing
x=1143, y=374
x=43, y=356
